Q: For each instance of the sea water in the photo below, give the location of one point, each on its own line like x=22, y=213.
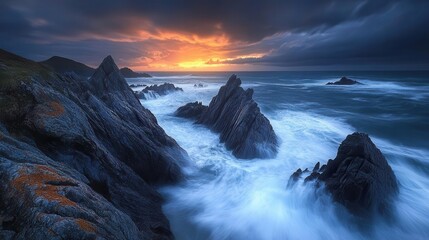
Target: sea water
x=228, y=198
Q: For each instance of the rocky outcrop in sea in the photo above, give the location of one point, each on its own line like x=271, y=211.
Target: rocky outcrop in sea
x=359, y=177
x=155, y=91
x=191, y=110
x=236, y=116
x=344, y=81
x=78, y=157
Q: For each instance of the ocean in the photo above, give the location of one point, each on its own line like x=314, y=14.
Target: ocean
x=227, y=198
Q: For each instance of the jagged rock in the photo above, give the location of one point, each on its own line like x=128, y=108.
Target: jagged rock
x=155, y=91
x=322, y=168
x=344, y=81
x=359, y=177
x=316, y=167
x=77, y=157
x=242, y=127
x=191, y=110
x=312, y=176
x=199, y=85
x=128, y=73
x=294, y=177
x=137, y=85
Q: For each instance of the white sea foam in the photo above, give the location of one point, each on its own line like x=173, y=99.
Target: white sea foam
x=226, y=198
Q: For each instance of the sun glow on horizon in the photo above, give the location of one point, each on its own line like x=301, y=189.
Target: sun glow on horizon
x=163, y=50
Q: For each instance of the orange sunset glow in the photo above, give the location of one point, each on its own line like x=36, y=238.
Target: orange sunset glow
x=186, y=52
x=220, y=120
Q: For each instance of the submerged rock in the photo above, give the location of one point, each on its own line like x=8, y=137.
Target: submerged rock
x=344, y=81
x=191, y=110
x=77, y=157
x=359, y=177
x=236, y=116
x=155, y=91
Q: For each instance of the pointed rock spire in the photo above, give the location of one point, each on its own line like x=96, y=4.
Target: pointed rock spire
x=107, y=78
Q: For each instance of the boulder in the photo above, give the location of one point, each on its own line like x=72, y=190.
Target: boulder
x=191, y=110
x=344, y=81
x=236, y=116
x=78, y=157
x=359, y=177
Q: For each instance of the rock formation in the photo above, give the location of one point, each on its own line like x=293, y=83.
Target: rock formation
x=191, y=110
x=128, y=73
x=359, y=177
x=155, y=91
x=137, y=85
x=344, y=81
x=77, y=156
x=236, y=116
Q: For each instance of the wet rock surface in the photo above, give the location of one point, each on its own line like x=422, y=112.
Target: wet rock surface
x=236, y=116
x=191, y=110
x=78, y=157
x=359, y=177
x=155, y=91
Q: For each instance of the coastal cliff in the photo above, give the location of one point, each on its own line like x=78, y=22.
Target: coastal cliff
x=78, y=157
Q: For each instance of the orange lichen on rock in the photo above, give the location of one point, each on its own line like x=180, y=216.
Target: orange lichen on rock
x=85, y=225
x=55, y=109
x=38, y=179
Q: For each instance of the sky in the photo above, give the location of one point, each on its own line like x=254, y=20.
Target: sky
x=199, y=35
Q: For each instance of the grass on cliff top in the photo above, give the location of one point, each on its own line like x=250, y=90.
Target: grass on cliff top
x=14, y=69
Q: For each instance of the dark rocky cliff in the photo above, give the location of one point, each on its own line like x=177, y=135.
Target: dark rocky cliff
x=78, y=157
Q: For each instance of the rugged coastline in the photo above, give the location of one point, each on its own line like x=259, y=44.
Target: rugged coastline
x=78, y=157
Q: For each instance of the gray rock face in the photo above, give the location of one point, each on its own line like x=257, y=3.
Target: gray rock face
x=191, y=110
x=359, y=177
x=236, y=116
x=344, y=81
x=77, y=157
x=157, y=90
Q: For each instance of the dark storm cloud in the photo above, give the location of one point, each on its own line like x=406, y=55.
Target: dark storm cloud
x=396, y=37
x=249, y=20
x=305, y=32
